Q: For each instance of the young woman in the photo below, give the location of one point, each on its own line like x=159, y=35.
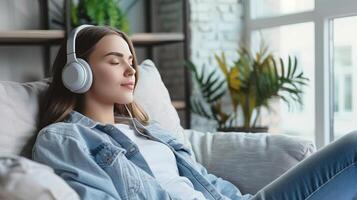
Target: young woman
x=104, y=145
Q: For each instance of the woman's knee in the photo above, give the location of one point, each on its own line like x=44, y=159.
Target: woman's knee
x=350, y=137
x=349, y=142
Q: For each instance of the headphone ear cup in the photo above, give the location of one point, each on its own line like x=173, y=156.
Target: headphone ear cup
x=89, y=76
x=77, y=76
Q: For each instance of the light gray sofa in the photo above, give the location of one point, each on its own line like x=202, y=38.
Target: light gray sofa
x=250, y=161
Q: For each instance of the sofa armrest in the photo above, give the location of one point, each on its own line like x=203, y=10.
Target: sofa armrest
x=248, y=160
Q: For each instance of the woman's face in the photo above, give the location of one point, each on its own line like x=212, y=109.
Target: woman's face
x=113, y=72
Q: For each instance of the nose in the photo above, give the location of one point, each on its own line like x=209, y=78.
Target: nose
x=130, y=71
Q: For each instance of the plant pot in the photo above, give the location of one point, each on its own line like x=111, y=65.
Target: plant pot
x=259, y=129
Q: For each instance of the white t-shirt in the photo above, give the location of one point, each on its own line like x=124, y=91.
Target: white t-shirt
x=162, y=163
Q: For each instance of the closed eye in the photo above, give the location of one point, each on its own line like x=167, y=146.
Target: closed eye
x=118, y=63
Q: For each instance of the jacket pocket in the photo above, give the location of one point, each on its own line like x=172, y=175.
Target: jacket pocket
x=122, y=172
x=106, y=153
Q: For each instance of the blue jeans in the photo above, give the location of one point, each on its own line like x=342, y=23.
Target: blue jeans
x=328, y=174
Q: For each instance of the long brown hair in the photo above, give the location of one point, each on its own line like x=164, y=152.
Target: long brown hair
x=58, y=101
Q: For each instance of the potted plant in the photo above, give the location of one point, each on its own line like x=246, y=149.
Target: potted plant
x=252, y=81
x=100, y=12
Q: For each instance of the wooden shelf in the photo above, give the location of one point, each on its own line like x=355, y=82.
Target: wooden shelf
x=148, y=39
x=55, y=36
x=179, y=105
x=31, y=36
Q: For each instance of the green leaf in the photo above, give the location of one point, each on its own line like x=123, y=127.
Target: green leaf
x=295, y=65
x=222, y=63
x=289, y=66
x=100, y=12
x=199, y=109
x=282, y=67
x=218, y=96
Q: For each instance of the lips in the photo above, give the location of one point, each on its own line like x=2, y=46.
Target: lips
x=128, y=85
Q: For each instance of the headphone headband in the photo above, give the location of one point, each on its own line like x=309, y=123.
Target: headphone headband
x=71, y=43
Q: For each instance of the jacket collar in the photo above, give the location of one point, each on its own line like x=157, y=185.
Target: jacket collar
x=153, y=129
x=79, y=118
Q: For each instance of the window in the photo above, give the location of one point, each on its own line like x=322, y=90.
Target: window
x=344, y=46
x=269, y=8
x=343, y=54
x=323, y=39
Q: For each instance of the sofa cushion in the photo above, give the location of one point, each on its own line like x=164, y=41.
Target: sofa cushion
x=21, y=179
x=251, y=160
x=19, y=109
x=18, y=114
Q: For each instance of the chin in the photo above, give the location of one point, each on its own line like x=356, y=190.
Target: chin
x=126, y=101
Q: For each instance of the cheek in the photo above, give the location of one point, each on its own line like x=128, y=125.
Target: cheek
x=106, y=85
x=109, y=74
x=106, y=76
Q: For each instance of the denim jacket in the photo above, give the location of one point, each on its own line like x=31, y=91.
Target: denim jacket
x=100, y=162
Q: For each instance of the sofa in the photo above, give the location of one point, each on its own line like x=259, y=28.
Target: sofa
x=249, y=160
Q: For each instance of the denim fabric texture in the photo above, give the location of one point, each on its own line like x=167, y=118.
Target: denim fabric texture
x=100, y=162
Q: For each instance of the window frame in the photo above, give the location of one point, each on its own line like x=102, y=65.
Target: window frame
x=321, y=16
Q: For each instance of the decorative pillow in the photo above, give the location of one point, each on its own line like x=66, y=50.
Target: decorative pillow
x=19, y=109
x=21, y=179
x=18, y=114
x=154, y=97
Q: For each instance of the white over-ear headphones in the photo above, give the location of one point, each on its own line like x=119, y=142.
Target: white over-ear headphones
x=77, y=74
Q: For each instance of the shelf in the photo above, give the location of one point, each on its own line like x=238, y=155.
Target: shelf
x=148, y=39
x=179, y=105
x=55, y=36
x=31, y=36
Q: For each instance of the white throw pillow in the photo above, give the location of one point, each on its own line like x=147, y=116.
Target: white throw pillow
x=22, y=179
x=18, y=114
x=154, y=97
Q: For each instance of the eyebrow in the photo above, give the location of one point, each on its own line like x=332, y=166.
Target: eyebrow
x=117, y=54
